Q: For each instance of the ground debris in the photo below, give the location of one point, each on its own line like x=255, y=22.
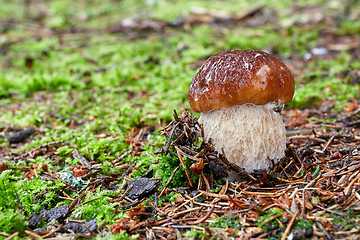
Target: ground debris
x=310, y=193
x=20, y=136
x=313, y=191
x=140, y=187
x=57, y=213
x=77, y=227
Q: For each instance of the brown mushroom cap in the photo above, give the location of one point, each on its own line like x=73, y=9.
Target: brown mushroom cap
x=237, y=77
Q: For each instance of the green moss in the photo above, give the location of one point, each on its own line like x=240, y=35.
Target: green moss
x=21, y=197
x=165, y=168
x=272, y=224
x=100, y=208
x=303, y=224
x=331, y=88
x=11, y=219
x=120, y=236
x=230, y=221
x=346, y=223
x=194, y=234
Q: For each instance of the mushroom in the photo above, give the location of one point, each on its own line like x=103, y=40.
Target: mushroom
x=236, y=92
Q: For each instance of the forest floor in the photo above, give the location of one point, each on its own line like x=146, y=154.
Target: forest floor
x=97, y=138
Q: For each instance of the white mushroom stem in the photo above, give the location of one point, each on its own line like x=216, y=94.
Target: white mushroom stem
x=249, y=135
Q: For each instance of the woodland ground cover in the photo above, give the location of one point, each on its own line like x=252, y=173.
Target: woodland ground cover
x=85, y=87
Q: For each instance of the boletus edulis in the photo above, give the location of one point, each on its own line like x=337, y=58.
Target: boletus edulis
x=237, y=92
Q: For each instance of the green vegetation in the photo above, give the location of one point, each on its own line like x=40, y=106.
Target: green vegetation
x=75, y=59
x=230, y=221
x=10, y=217
x=20, y=197
x=120, y=236
x=194, y=233
x=303, y=224
x=100, y=208
x=273, y=223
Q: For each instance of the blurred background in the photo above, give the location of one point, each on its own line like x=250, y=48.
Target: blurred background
x=146, y=52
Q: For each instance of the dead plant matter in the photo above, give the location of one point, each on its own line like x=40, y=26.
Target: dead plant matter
x=316, y=182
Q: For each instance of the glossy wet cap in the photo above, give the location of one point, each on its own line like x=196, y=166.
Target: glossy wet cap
x=237, y=77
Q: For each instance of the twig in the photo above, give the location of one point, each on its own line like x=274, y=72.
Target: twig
x=183, y=212
x=12, y=236
x=91, y=200
x=334, y=212
x=163, y=229
x=169, y=181
x=117, y=160
x=190, y=200
x=289, y=226
x=126, y=193
x=312, y=182
x=32, y=234
x=184, y=165
x=187, y=155
x=77, y=155
x=206, y=181
x=328, y=143
x=347, y=189
x=51, y=232
x=153, y=205
x=170, y=137
x=273, y=218
x=203, y=218
x=89, y=230
x=78, y=199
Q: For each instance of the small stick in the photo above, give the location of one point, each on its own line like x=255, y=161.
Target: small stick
x=159, y=236
x=169, y=181
x=328, y=143
x=32, y=234
x=126, y=192
x=79, y=198
x=66, y=198
x=117, y=160
x=312, y=182
x=176, y=116
x=184, y=165
x=199, y=183
x=77, y=155
x=214, y=236
x=52, y=232
x=89, y=230
x=203, y=218
x=287, y=166
x=299, y=160
x=187, y=155
x=170, y=137
x=206, y=181
x=86, y=202
x=179, y=214
x=334, y=212
x=12, y=236
x=190, y=200
x=219, y=235
x=163, y=229
x=89, y=154
x=153, y=205
x=289, y=226
x=273, y=218
x=347, y=189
